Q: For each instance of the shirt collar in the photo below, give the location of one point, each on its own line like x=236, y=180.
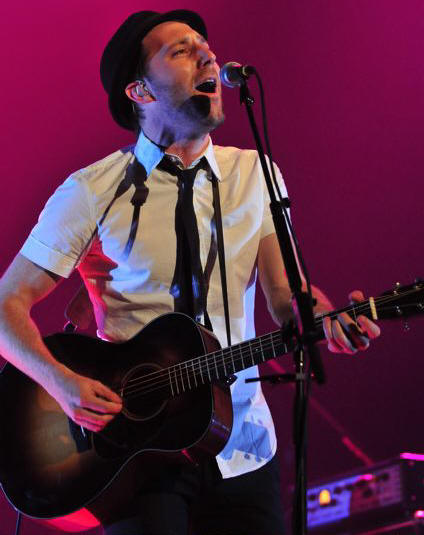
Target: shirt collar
x=149, y=155
x=208, y=153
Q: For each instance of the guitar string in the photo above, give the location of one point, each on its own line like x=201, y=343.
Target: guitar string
x=188, y=376
x=319, y=319
x=210, y=359
x=198, y=373
x=184, y=382
x=260, y=343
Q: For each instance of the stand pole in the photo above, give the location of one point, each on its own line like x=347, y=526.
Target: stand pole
x=305, y=327
x=299, y=440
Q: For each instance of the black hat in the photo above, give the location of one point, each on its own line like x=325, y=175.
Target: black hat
x=122, y=54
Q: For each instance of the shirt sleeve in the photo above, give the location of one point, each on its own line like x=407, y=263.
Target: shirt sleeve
x=267, y=222
x=64, y=230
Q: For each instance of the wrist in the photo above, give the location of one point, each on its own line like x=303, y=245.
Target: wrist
x=55, y=375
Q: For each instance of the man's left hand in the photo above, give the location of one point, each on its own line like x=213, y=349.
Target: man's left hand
x=344, y=335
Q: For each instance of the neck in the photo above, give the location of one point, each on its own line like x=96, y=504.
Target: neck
x=186, y=144
x=188, y=150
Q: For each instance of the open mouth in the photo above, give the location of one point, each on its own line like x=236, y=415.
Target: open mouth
x=208, y=86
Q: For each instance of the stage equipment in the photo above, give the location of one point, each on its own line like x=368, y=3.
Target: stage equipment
x=385, y=498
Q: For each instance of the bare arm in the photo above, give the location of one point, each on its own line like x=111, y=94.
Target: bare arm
x=347, y=339
x=275, y=285
x=87, y=402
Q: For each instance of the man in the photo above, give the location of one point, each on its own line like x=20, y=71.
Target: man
x=125, y=233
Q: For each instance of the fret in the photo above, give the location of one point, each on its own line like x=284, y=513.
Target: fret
x=232, y=360
x=262, y=349
x=250, y=348
x=223, y=361
x=194, y=373
x=216, y=367
x=188, y=377
x=253, y=359
x=176, y=380
x=201, y=370
x=207, y=366
x=241, y=355
x=272, y=345
x=170, y=383
x=182, y=380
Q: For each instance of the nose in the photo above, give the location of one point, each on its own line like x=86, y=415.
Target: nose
x=206, y=56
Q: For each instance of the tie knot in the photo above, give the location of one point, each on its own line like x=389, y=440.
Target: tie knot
x=185, y=176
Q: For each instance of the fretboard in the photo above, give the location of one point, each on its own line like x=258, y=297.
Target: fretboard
x=221, y=364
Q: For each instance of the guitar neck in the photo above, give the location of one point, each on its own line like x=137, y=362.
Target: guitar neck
x=228, y=361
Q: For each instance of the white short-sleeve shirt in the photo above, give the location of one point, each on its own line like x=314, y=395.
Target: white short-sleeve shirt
x=127, y=293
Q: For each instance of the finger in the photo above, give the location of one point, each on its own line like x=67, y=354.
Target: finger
x=357, y=336
x=100, y=406
x=90, y=426
x=93, y=417
x=106, y=393
x=369, y=327
x=95, y=400
x=333, y=346
x=356, y=296
x=341, y=339
x=326, y=325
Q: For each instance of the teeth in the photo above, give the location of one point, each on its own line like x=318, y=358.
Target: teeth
x=208, y=86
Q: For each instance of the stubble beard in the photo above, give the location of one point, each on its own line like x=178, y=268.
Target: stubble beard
x=192, y=115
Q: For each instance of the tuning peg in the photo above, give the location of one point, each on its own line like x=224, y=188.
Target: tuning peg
x=406, y=327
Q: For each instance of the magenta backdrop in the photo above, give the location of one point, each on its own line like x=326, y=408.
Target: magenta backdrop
x=345, y=94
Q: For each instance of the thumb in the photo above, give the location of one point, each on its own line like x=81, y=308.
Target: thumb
x=356, y=296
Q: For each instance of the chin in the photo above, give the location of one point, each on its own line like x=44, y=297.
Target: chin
x=201, y=113
x=216, y=120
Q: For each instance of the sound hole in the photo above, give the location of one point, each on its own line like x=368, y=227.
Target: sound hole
x=145, y=391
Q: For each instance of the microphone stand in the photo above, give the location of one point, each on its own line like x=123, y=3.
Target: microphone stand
x=304, y=329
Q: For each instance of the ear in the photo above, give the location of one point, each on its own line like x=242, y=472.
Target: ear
x=137, y=92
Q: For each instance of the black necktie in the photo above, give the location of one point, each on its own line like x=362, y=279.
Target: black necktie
x=188, y=284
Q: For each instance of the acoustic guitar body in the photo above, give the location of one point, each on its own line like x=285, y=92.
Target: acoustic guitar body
x=50, y=467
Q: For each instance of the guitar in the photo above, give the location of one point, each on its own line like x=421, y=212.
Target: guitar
x=174, y=380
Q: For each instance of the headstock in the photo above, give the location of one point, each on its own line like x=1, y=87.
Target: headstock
x=402, y=301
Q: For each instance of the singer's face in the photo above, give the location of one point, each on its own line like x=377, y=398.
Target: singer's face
x=183, y=77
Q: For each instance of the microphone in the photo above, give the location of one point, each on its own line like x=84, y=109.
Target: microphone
x=233, y=74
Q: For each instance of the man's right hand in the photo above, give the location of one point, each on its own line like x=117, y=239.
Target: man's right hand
x=87, y=402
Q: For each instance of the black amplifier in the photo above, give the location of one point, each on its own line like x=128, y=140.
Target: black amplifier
x=370, y=500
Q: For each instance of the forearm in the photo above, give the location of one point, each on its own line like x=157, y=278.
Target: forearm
x=280, y=303
x=21, y=344
x=323, y=303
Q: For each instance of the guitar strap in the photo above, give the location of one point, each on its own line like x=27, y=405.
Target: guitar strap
x=221, y=252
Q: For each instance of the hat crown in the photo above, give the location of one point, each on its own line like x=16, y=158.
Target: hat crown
x=122, y=55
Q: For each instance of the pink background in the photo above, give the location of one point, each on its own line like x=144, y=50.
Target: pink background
x=345, y=95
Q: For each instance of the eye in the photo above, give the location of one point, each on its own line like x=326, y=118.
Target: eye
x=179, y=52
